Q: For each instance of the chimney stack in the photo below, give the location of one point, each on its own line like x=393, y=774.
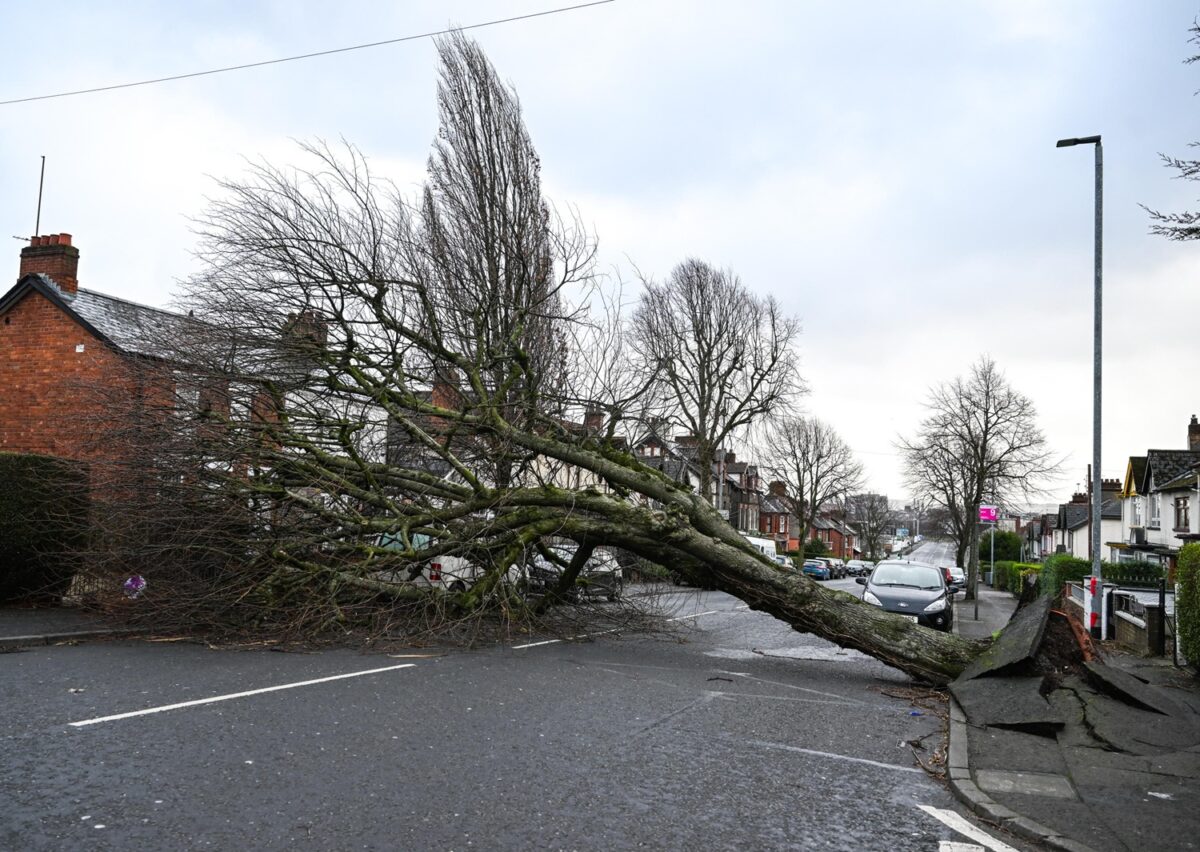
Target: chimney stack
x=593, y=419
x=1194, y=434
x=777, y=488
x=53, y=256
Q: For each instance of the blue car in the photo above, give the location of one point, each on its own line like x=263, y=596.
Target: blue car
x=816, y=570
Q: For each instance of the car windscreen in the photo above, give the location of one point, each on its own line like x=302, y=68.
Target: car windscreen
x=901, y=574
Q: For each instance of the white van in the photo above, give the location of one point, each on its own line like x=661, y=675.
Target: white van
x=452, y=573
x=763, y=545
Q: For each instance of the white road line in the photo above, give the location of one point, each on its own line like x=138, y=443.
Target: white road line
x=955, y=846
x=233, y=695
x=694, y=615
x=894, y=766
x=603, y=632
x=535, y=644
x=841, y=698
x=965, y=828
x=568, y=639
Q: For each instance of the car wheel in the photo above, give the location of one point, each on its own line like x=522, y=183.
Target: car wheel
x=458, y=587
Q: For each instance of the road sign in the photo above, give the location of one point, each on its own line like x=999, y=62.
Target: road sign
x=988, y=514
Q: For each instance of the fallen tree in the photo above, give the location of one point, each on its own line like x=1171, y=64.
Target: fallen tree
x=370, y=383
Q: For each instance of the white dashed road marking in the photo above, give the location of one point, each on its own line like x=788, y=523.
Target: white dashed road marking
x=893, y=766
x=214, y=699
x=602, y=632
x=965, y=828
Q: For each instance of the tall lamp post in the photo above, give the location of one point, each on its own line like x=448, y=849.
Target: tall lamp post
x=1097, y=481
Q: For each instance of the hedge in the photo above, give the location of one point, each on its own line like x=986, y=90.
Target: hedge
x=1000, y=572
x=1019, y=573
x=43, y=521
x=1007, y=546
x=1061, y=568
x=1133, y=573
x=1187, y=602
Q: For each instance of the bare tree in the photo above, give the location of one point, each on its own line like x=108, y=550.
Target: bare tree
x=401, y=384
x=1185, y=225
x=980, y=442
x=814, y=462
x=871, y=516
x=723, y=358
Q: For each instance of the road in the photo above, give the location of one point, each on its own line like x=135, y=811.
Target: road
x=728, y=730
x=934, y=552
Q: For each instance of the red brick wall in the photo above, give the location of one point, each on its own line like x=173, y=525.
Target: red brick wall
x=51, y=395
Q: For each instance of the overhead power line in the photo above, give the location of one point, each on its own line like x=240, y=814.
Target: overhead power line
x=305, y=55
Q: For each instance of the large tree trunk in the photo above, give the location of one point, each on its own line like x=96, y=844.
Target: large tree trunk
x=838, y=616
x=691, y=538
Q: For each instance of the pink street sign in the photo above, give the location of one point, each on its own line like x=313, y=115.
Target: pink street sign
x=988, y=514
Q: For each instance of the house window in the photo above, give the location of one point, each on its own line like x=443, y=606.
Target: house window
x=1154, y=515
x=768, y=524
x=1135, y=512
x=1182, y=519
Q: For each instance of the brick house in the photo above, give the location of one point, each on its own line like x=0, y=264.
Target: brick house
x=776, y=519
x=67, y=352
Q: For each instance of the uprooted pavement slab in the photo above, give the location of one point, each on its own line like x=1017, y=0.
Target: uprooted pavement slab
x=1016, y=646
x=1094, y=754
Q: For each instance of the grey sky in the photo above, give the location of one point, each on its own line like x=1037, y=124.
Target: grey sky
x=887, y=170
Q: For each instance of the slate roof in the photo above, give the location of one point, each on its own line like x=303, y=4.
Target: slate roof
x=774, y=505
x=134, y=328
x=1074, y=515
x=844, y=528
x=1186, y=482
x=1163, y=466
x=130, y=327
x=1078, y=514
x=676, y=469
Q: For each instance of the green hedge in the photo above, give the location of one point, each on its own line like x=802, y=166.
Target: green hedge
x=1133, y=573
x=43, y=522
x=1007, y=546
x=1061, y=568
x=1000, y=572
x=1020, y=571
x=1187, y=602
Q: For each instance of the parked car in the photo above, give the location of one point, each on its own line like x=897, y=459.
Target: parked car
x=600, y=577
x=783, y=561
x=816, y=569
x=916, y=590
x=829, y=563
x=838, y=566
x=444, y=571
x=859, y=567
x=958, y=576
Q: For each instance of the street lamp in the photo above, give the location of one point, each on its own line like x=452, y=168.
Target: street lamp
x=1097, y=479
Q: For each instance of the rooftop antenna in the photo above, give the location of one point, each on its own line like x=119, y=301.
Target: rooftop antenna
x=37, y=228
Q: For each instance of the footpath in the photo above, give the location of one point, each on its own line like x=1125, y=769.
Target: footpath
x=24, y=626
x=1100, y=755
